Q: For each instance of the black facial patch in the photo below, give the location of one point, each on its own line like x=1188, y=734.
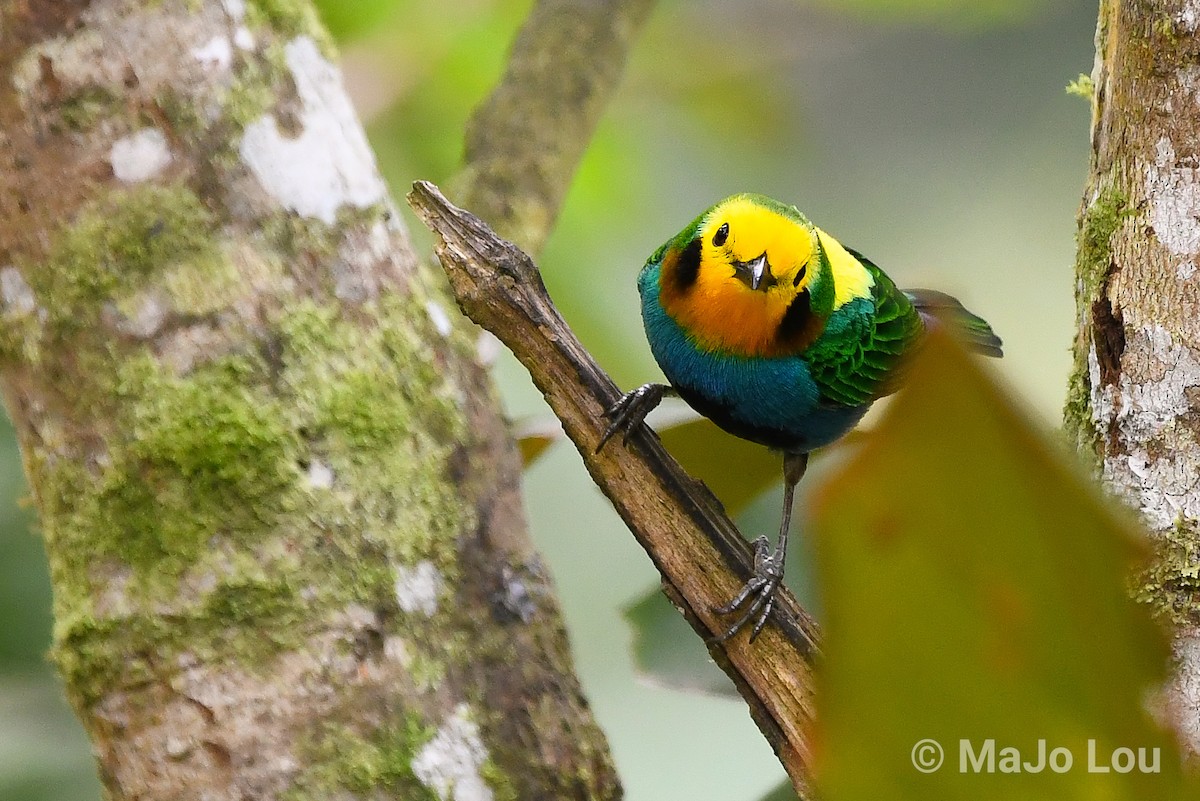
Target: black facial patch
x=687, y=266
x=799, y=327
x=800, y=275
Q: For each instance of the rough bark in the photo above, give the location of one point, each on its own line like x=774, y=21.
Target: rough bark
x=681, y=525
x=1134, y=398
x=280, y=508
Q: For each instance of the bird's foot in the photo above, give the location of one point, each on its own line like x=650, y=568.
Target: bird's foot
x=757, y=595
x=627, y=413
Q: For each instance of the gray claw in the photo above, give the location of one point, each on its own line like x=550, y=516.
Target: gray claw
x=630, y=410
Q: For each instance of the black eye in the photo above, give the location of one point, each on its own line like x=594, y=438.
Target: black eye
x=799, y=275
x=721, y=235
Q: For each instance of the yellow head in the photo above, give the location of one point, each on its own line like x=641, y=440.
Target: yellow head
x=754, y=277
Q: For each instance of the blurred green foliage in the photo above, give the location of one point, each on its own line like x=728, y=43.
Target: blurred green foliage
x=949, y=13
x=933, y=135
x=348, y=21
x=979, y=592
x=24, y=593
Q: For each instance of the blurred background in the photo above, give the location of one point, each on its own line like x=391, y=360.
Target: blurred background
x=933, y=135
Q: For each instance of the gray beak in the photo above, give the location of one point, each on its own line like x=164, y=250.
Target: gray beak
x=755, y=273
x=758, y=270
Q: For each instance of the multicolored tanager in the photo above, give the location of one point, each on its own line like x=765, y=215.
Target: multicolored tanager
x=777, y=333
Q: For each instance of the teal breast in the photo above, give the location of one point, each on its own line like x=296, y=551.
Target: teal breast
x=770, y=400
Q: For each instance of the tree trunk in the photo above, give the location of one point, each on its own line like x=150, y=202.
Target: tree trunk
x=280, y=508
x=1134, y=398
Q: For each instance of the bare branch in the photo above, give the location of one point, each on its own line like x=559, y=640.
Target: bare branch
x=702, y=558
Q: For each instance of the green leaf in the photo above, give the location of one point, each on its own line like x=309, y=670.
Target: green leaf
x=737, y=471
x=667, y=652
x=975, y=589
x=783, y=792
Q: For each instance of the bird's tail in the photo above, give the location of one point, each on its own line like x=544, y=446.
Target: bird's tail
x=938, y=308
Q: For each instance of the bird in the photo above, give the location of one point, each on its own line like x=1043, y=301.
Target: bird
x=779, y=334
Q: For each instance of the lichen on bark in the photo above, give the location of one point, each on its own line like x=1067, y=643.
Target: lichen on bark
x=246, y=429
x=1134, y=395
x=1099, y=218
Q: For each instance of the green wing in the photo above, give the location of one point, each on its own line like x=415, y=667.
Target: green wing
x=855, y=359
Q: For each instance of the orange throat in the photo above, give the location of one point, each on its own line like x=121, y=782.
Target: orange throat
x=721, y=313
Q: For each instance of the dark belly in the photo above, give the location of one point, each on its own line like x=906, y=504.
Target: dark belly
x=822, y=426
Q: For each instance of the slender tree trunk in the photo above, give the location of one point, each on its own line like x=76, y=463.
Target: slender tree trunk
x=280, y=508
x=1134, y=398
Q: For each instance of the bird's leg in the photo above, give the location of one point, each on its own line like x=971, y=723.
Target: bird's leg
x=631, y=410
x=758, y=594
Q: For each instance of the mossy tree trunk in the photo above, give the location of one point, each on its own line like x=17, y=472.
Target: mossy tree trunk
x=1134, y=398
x=280, y=508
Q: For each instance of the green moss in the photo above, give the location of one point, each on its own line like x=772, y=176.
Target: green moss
x=214, y=428
x=379, y=764
x=248, y=99
x=95, y=657
x=207, y=455
x=344, y=760
x=428, y=672
x=1077, y=418
x=1170, y=585
x=247, y=602
x=1100, y=221
x=1164, y=26
x=1082, y=86
x=115, y=243
x=290, y=18
x=219, y=453
x=82, y=111
x=182, y=112
x=247, y=619
x=223, y=452
x=501, y=785
x=256, y=86
x=1097, y=225
x=301, y=237
x=191, y=496
x=377, y=409
x=20, y=338
x=357, y=407
x=200, y=292
x=376, y=382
